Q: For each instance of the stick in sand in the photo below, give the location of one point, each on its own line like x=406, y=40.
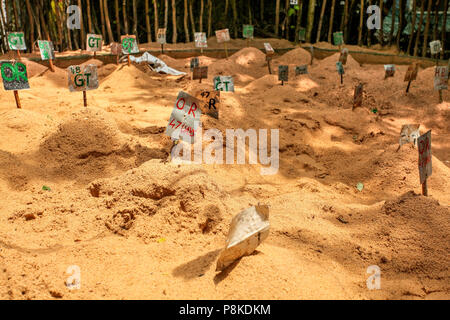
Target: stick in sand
x=440, y=91
x=162, y=48
x=268, y=64
x=85, y=98
x=129, y=62
x=16, y=96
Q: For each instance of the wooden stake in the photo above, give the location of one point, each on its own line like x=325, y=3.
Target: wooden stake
x=440, y=91
x=342, y=79
x=16, y=96
x=407, y=88
x=425, y=188
x=282, y=82
x=18, y=55
x=268, y=64
x=162, y=48
x=85, y=98
x=52, y=68
x=95, y=54
x=248, y=42
x=117, y=59
x=129, y=62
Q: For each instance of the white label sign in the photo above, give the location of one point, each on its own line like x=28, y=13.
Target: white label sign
x=224, y=83
x=424, y=147
x=16, y=41
x=94, y=42
x=82, y=78
x=222, y=35
x=185, y=118
x=161, y=36
x=268, y=48
x=441, y=78
x=200, y=40
x=435, y=47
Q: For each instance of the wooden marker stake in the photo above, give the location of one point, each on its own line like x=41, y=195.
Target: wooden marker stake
x=52, y=68
x=16, y=96
x=18, y=55
x=342, y=78
x=162, y=48
x=407, y=88
x=85, y=98
x=268, y=64
x=425, y=188
x=440, y=91
x=95, y=54
x=129, y=62
x=248, y=42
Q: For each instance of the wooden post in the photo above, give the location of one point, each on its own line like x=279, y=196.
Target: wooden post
x=226, y=50
x=129, y=62
x=425, y=188
x=282, y=82
x=268, y=64
x=162, y=48
x=440, y=91
x=85, y=98
x=342, y=79
x=407, y=88
x=248, y=42
x=95, y=54
x=117, y=59
x=16, y=96
x=18, y=55
x=52, y=68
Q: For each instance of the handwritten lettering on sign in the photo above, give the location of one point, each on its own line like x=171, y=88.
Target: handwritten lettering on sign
x=303, y=69
x=16, y=41
x=194, y=63
x=161, y=36
x=211, y=101
x=343, y=56
x=47, y=50
x=200, y=40
x=222, y=35
x=441, y=78
x=389, y=70
x=269, y=49
x=129, y=44
x=200, y=73
x=14, y=75
x=185, y=118
x=94, y=42
x=424, y=147
x=224, y=83
x=340, y=67
x=411, y=73
x=247, y=31
x=338, y=38
x=435, y=47
x=82, y=78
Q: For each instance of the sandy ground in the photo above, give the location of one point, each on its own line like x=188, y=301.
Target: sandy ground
x=141, y=227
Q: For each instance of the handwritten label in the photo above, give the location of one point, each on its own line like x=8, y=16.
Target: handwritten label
x=47, y=50
x=16, y=41
x=129, y=44
x=247, y=31
x=222, y=35
x=441, y=78
x=338, y=38
x=358, y=95
x=283, y=73
x=195, y=62
x=340, y=68
x=411, y=73
x=343, y=56
x=94, y=42
x=301, y=70
x=161, y=36
x=82, y=78
x=389, y=70
x=224, y=83
x=211, y=101
x=200, y=73
x=14, y=75
x=200, y=40
x=424, y=147
x=435, y=47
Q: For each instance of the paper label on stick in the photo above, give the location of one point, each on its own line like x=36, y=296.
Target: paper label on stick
x=222, y=35
x=94, y=42
x=302, y=34
x=211, y=101
x=224, y=83
x=200, y=73
x=283, y=73
x=424, y=147
x=185, y=118
x=441, y=78
x=293, y=2
x=343, y=56
x=47, y=50
x=269, y=49
x=358, y=95
x=247, y=31
x=389, y=70
x=411, y=73
x=200, y=40
x=16, y=41
x=82, y=78
x=435, y=47
x=409, y=133
x=161, y=36
x=301, y=70
x=129, y=44
x=14, y=75
x=338, y=38
x=340, y=67
x=195, y=62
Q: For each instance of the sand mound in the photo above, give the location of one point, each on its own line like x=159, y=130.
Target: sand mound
x=93, y=61
x=329, y=63
x=162, y=199
x=248, y=57
x=34, y=68
x=297, y=56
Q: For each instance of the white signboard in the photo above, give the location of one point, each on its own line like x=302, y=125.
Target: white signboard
x=16, y=41
x=268, y=48
x=161, y=36
x=200, y=40
x=82, y=78
x=129, y=44
x=435, y=47
x=224, y=83
x=424, y=147
x=185, y=118
x=441, y=78
x=47, y=50
x=222, y=35
x=94, y=42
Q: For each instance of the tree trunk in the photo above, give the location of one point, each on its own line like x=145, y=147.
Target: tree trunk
x=43, y=24
x=393, y=11
x=277, y=16
x=261, y=11
x=116, y=6
x=361, y=22
x=369, y=33
x=166, y=13
x=201, y=16
x=102, y=18
x=427, y=29
x=419, y=30
x=155, y=6
x=209, y=17
x=330, y=27
x=82, y=34
x=16, y=16
x=381, y=21
x=147, y=22
x=233, y=3
x=185, y=21
x=319, y=29
x=174, y=22
x=344, y=16
x=444, y=29
x=310, y=21
x=191, y=16
x=31, y=22
x=413, y=24
x=286, y=20
x=135, y=18
x=436, y=19
x=124, y=14
x=401, y=22
x=108, y=23
x=88, y=7
x=299, y=20
x=59, y=23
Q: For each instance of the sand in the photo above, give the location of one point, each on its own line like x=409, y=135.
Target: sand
x=141, y=227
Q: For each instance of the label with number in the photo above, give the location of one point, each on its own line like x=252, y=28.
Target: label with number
x=82, y=78
x=14, y=75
